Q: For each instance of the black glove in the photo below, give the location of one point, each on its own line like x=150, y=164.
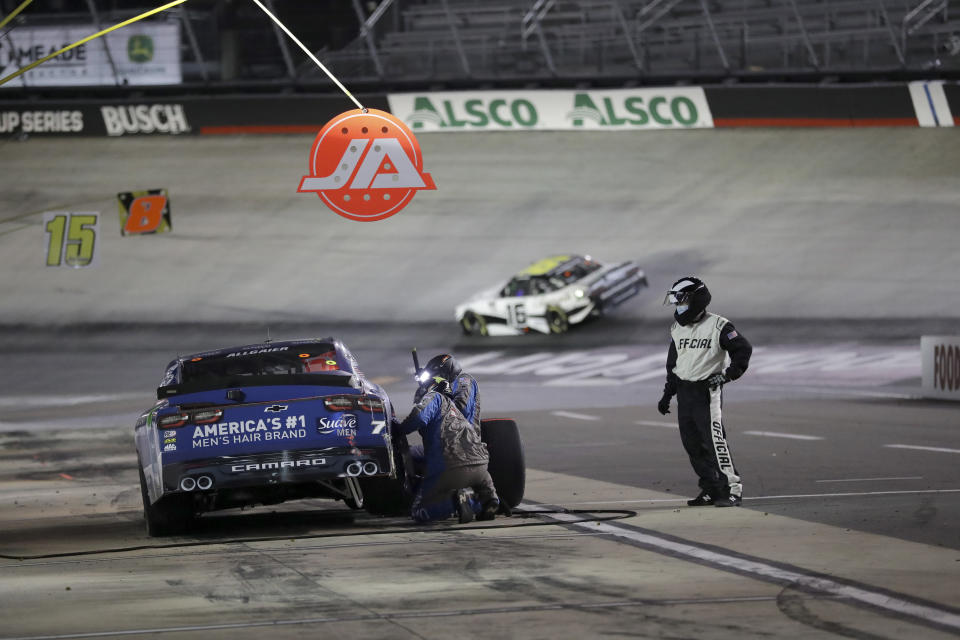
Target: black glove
x=717, y=380
x=664, y=405
x=443, y=387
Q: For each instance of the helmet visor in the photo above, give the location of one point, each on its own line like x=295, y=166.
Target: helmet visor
x=675, y=297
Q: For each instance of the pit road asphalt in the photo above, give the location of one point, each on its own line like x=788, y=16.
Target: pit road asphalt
x=835, y=520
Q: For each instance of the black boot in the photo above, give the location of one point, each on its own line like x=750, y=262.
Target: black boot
x=702, y=500
x=490, y=509
x=728, y=501
x=464, y=508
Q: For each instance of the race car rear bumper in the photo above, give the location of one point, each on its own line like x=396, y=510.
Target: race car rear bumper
x=618, y=292
x=270, y=469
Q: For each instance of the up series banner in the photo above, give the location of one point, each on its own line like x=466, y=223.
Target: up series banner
x=206, y=115
x=87, y=119
x=142, y=54
x=553, y=110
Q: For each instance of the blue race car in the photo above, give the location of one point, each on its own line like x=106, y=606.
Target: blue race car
x=261, y=424
x=277, y=421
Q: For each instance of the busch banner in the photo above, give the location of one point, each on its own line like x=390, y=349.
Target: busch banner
x=560, y=110
x=941, y=366
x=142, y=54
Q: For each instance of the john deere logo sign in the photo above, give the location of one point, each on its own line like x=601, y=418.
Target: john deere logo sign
x=140, y=48
x=668, y=108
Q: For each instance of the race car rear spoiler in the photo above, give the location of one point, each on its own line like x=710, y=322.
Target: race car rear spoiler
x=286, y=380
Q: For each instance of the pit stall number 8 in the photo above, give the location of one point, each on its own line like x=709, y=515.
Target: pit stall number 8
x=71, y=238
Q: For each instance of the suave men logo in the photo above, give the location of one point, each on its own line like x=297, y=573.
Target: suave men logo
x=366, y=165
x=343, y=425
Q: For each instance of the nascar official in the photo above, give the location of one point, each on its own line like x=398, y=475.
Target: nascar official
x=697, y=369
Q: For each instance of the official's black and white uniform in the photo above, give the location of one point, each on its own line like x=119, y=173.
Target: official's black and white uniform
x=697, y=351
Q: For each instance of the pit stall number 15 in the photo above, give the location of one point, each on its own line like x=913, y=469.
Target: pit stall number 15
x=71, y=238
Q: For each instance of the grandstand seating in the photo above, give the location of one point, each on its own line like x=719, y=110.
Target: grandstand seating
x=502, y=39
x=525, y=41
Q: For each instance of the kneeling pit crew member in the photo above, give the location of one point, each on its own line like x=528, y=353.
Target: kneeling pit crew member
x=456, y=480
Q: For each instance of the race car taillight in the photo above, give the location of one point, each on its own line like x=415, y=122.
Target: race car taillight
x=173, y=420
x=207, y=416
x=348, y=402
x=338, y=403
x=203, y=416
x=369, y=403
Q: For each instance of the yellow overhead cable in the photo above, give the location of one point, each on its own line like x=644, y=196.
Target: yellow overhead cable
x=23, y=5
x=37, y=63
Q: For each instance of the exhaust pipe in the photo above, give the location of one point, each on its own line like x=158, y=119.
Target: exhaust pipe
x=187, y=483
x=370, y=468
x=354, y=469
x=204, y=483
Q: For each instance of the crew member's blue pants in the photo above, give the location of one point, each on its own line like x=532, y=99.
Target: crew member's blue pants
x=436, y=498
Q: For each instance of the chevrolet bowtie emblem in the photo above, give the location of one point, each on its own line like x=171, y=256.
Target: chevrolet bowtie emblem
x=276, y=408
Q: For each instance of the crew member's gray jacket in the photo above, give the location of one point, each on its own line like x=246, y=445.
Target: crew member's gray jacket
x=466, y=395
x=449, y=440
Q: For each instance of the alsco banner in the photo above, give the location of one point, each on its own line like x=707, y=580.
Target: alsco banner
x=141, y=54
x=554, y=110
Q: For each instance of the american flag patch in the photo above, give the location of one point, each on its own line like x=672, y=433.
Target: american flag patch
x=733, y=334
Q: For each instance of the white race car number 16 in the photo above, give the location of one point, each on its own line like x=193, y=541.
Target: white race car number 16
x=516, y=314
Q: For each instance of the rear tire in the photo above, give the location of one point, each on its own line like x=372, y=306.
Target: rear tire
x=169, y=516
x=385, y=497
x=557, y=320
x=506, y=466
x=473, y=325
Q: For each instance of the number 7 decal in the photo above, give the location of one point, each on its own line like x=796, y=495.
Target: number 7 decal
x=71, y=238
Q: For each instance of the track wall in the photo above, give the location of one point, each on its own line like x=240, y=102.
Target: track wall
x=901, y=105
